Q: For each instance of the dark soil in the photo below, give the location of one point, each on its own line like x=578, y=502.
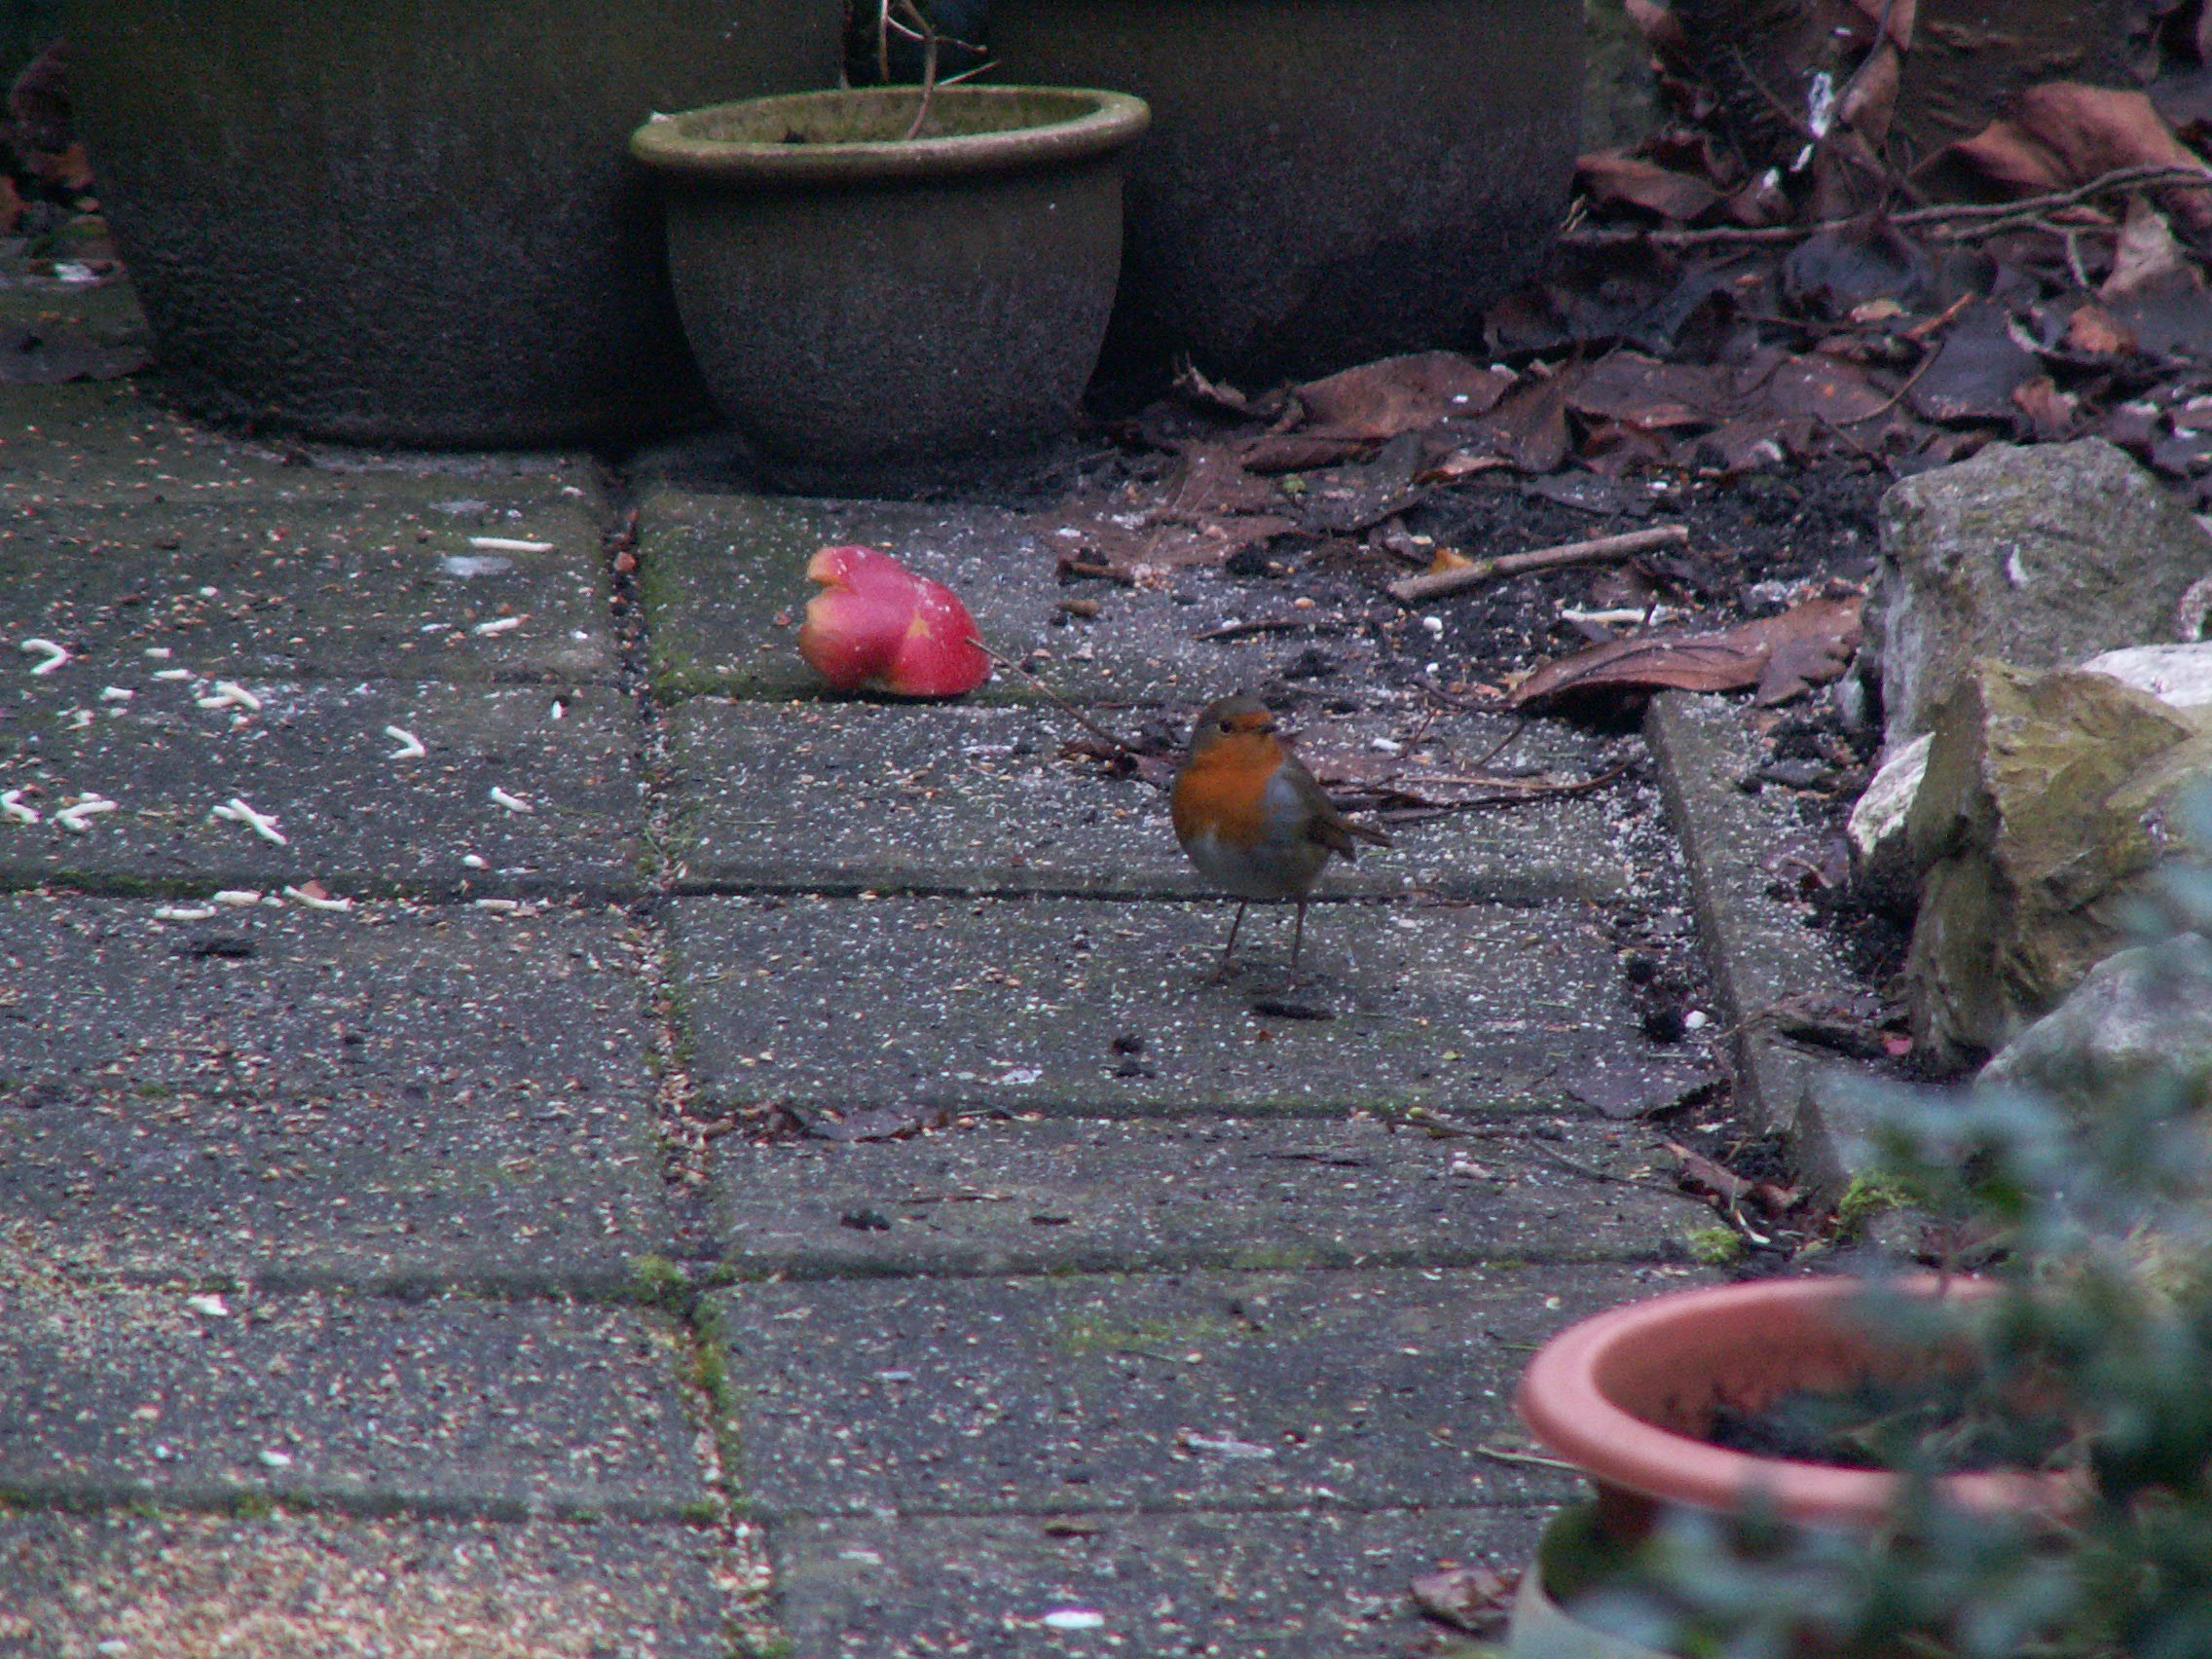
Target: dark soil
x=1933, y=1424
x=1758, y=543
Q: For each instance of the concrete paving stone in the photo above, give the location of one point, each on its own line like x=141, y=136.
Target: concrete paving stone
x=1015, y=1006
x=1092, y=1197
x=1762, y=946
x=390, y=582
x=1325, y=1585
x=1199, y=1391
x=318, y=757
x=448, y=1405
x=843, y=797
x=105, y=443
x=381, y=1097
x=717, y=572
x=179, y=1586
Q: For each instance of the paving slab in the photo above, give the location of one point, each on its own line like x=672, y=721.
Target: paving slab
x=395, y=580
x=1326, y=1585
x=317, y=758
x=107, y=443
x=1166, y=1391
x=177, y=1586
x=717, y=572
x=1761, y=949
x=451, y=1406
x=386, y=1097
x=1017, y=1005
x=818, y=796
x=1072, y=1196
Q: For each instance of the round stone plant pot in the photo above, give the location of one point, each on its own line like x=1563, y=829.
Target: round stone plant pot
x=1326, y=181
x=874, y=312
x=412, y=222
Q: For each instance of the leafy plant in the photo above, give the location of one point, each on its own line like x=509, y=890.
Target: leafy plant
x=2096, y=1217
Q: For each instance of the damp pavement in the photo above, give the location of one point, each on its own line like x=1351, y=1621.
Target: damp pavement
x=422, y=880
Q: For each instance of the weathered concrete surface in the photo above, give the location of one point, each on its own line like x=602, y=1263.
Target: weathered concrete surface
x=816, y=797
x=372, y=581
x=1762, y=950
x=103, y=444
x=209, y=1586
x=1179, y=1391
x=445, y=1407
x=390, y=1096
x=1095, y=1196
x=1014, y=1005
x=718, y=570
x=1318, y=1585
x=317, y=758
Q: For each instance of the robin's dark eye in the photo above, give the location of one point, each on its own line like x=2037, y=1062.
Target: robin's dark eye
x=1227, y=726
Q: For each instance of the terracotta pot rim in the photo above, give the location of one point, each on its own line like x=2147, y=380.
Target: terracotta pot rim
x=1565, y=1405
x=686, y=145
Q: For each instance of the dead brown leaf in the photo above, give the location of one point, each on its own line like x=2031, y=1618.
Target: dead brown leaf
x=1645, y=393
x=2049, y=410
x=2146, y=256
x=1781, y=655
x=2063, y=134
x=1472, y=1598
x=69, y=169
x=1613, y=175
x=2096, y=332
x=1295, y=452
x=1209, y=480
x=1377, y=401
x=1815, y=387
x=1529, y=425
x=1975, y=370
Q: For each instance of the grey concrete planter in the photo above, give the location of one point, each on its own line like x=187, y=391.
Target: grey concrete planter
x=1326, y=181
x=413, y=223
x=878, y=313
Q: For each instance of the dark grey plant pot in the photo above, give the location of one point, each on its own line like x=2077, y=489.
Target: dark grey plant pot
x=878, y=313
x=412, y=222
x=1326, y=181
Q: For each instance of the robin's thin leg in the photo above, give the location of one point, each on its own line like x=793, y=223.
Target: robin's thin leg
x=1222, y=972
x=1298, y=933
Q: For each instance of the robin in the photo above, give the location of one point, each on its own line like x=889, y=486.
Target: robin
x=1251, y=816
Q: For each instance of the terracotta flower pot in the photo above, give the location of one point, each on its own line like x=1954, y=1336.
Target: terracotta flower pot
x=1327, y=181
x=874, y=312
x=414, y=224
x=1625, y=1397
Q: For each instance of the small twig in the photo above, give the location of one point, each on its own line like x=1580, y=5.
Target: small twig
x=1919, y=332
x=1413, y=589
x=1069, y=709
x=1544, y=792
x=1979, y=218
x=1535, y=1459
x=1890, y=403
